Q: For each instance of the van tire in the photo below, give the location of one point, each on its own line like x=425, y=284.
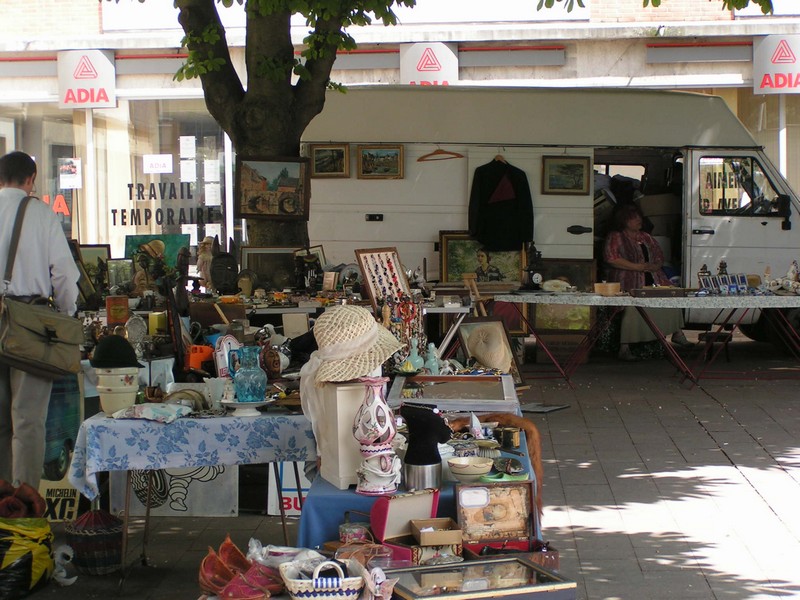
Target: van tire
x=56, y=469
x=762, y=331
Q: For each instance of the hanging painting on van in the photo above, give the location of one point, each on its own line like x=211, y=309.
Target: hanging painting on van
x=380, y=162
x=567, y=175
x=272, y=188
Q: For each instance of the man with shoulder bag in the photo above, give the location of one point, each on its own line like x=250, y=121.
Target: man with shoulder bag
x=42, y=266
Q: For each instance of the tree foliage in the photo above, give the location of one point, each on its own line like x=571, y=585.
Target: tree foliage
x=766, y=5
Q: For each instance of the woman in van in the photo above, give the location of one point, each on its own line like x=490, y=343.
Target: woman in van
x=635, y=260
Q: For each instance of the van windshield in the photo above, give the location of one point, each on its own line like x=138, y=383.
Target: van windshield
x=736, y=185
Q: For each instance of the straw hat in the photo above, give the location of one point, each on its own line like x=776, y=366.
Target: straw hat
x=154, y=248
x=114, y=351
x=345, y=325
x=487, y=345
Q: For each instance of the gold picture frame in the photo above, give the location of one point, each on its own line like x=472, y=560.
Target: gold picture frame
x=380, y=161
x=566, y=175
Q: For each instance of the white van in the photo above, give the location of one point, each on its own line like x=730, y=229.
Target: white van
x=704, y=182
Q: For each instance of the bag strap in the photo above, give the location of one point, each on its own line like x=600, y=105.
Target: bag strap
x=15, y=234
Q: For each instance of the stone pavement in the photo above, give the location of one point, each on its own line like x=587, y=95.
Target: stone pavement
x=653, y=490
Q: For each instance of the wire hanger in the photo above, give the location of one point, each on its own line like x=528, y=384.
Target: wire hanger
x=439, y=154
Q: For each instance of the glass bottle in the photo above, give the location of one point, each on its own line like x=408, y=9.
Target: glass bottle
x=431, y=361
x=250, y=381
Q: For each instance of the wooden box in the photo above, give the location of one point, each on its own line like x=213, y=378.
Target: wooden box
x=499, y=515
x=390, y=520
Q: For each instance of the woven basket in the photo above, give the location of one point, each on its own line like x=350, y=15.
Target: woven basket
x=323, y=588
x=96, y=539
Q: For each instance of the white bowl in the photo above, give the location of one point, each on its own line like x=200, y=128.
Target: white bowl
x=467, y=469
x=111, y=402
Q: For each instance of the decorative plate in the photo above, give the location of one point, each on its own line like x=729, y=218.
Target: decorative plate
x=136, y=328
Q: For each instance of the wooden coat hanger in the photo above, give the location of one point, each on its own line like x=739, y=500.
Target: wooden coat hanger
x=500, y=158
x=439, y=154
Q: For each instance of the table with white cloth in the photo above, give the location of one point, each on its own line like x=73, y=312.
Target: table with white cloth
x=108, y=444
x=731, y=311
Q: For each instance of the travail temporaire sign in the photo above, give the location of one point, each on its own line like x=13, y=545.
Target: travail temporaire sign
x=776, y=65
x=432, y=63
x=87, y=79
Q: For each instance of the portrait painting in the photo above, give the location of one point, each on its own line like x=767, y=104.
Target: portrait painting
x=459, y=254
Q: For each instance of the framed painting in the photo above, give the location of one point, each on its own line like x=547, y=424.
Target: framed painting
x=312, y=250
x=120, y=271
x=272, y=188
x=86, y=288
x=459, y=254
x=274, y=267
x=165, y=244
x=380, y=162
x=329, y=160
x=95, y=261
x=577, y=273
x=569, y=175
x=497, y=328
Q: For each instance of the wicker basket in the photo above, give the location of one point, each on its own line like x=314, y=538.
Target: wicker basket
x=322, y=588
x=96, y=539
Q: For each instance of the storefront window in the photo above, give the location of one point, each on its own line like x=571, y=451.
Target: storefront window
x=161, y=169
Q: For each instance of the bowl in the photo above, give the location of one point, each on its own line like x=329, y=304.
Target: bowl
x=133, y=303
x=467, y=469
x=607, y=289
x=111, y=402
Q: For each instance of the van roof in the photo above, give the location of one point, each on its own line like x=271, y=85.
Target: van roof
x=509, y=116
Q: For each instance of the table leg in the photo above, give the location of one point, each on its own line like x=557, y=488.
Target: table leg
x=127, y=510
x=785, y=330
x=279, y=485
x=564, y=374
x=674, y=357
x=590, y=339
x=146, y=538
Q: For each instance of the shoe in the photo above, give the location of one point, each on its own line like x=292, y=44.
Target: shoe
x=679, y=339
x=626, y=355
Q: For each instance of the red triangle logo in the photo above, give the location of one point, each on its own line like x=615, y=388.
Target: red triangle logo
x=783, y=54
x=428, y=61
x=85, y=69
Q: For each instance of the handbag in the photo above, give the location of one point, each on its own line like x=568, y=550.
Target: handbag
x=35, y=337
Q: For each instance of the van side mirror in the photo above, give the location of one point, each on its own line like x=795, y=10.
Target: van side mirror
x=785, y=210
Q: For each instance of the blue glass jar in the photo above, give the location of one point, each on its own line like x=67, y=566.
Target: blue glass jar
x=250, y=381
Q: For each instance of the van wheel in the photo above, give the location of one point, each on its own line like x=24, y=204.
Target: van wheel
x=57, y=468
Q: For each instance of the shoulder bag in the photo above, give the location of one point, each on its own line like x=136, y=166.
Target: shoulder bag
x=34, y=337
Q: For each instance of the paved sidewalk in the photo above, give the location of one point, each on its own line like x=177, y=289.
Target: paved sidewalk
x=652, y=490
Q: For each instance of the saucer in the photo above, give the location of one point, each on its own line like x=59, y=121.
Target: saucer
x=245, y=409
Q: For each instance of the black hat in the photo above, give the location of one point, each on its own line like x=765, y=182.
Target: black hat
x=114, y=351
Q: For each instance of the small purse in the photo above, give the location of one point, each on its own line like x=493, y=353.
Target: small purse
x=34, y=337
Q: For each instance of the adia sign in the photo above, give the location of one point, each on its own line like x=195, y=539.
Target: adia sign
x=86, y=79
x=776, y=65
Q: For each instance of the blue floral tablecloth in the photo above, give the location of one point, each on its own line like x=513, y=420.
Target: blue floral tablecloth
x=106, y=444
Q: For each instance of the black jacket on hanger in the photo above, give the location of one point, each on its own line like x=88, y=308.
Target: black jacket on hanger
x=500, y=207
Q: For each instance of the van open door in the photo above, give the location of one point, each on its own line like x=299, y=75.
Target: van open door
x=740, y=213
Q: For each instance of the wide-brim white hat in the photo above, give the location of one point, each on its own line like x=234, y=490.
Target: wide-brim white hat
x=487, y=345
x=351, y=331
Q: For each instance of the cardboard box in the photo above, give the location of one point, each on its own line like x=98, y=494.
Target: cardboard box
x=390, y=520
x=445, y=531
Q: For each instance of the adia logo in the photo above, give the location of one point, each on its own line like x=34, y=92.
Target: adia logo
x=85, y=71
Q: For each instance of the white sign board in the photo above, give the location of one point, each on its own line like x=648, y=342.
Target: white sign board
x=776, y=66
x=431, y=63
x=87, y=79
x=157, y=163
